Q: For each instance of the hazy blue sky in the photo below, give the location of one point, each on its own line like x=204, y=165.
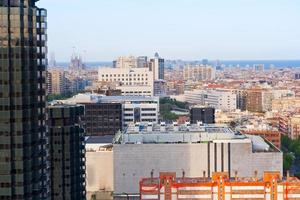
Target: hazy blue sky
x=183, y=29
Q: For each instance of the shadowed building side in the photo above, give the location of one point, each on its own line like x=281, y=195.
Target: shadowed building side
x=23, y=146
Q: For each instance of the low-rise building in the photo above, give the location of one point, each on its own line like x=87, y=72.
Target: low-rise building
x=224, y=100
x=105, y=115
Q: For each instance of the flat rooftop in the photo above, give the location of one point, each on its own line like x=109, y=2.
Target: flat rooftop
x=99, y=98
x=142, y=133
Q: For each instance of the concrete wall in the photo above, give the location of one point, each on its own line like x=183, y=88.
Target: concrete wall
x=245, y=162
x=133, y=162
x=99, y=171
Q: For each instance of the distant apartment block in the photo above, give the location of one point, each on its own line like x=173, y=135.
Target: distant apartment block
x=57, y=82
x=294, y=127
x=259, y=100
x=199, y=73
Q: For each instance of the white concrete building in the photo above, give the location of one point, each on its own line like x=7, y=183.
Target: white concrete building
x=193, y=149
x=129, y=80
x=224, y=100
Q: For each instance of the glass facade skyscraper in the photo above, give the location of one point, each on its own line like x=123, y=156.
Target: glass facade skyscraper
x=67, y=147
x=23, y=141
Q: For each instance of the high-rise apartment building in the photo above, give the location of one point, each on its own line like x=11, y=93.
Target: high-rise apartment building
x=67, y=151
x=58, y=81
x=157, y=66
x=23, y=153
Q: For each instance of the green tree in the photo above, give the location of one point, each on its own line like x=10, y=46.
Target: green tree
x=288, y=160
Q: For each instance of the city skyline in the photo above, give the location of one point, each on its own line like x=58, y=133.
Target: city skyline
x=189, y=30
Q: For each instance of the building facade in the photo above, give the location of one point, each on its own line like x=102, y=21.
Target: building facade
x=205, y=115
x=128, y=80
x=67, y=151
x=259, y=100
x=103, y=118
x=58, y=82
x=24, y=163
x=224, y=100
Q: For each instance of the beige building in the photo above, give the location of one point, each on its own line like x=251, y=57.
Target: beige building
x=259, y=100
x=57, y=82
x=199, y=73
x=294, y=127
x=285, y=103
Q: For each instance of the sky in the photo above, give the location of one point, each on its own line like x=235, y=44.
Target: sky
x=101, y=30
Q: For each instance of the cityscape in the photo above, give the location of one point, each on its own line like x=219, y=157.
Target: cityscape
x=148, y=125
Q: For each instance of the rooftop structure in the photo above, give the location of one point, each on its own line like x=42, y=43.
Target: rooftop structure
x=149, y=133
x=98, y=98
